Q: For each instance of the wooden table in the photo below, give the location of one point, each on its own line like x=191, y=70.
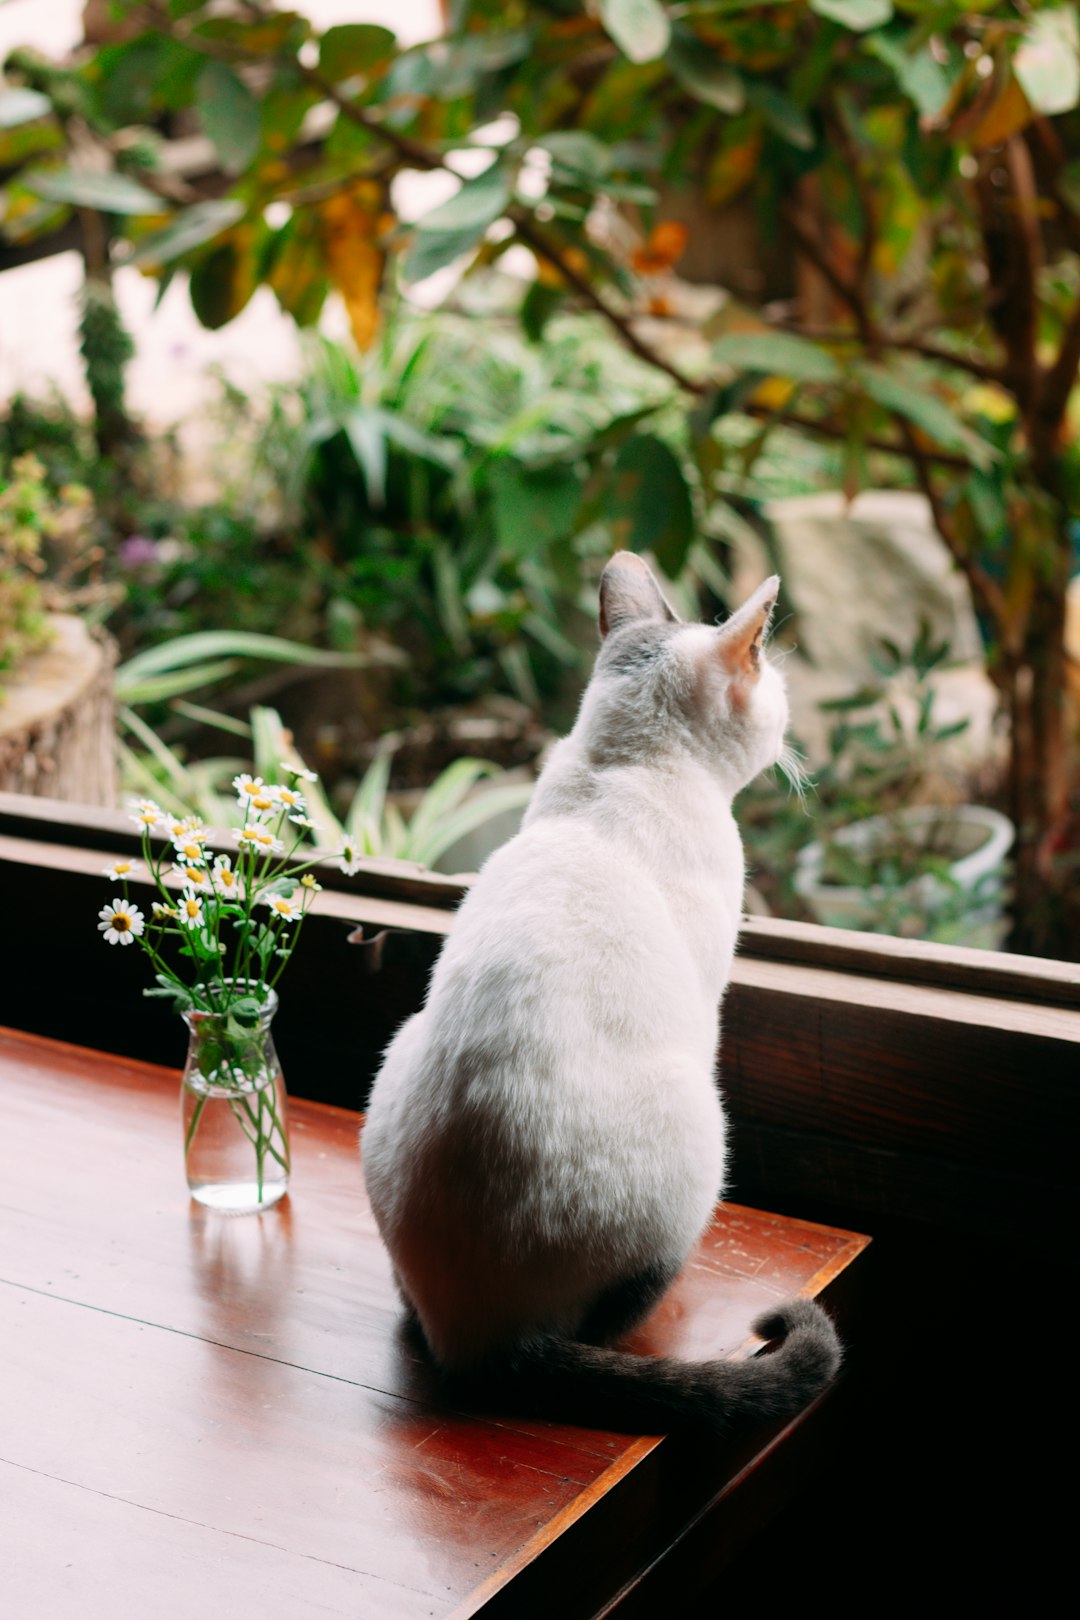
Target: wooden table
x=204, y=1415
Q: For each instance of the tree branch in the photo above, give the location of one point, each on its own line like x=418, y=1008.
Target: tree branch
x=804, y=235
x=986, y=590
x=537, y=239
x=1060, y=378
x=837, y=433
x=901, y=345
x=1013, y=251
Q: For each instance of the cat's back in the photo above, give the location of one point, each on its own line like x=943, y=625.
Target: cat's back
x=557, y=1087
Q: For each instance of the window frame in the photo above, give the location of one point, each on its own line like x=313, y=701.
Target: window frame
x=867, y=1079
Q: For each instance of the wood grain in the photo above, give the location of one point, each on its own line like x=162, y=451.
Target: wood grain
x=205, y=1412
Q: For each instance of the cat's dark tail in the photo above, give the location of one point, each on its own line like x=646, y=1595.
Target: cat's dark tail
x=661, y=1391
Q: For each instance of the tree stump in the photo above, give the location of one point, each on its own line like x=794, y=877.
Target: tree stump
x=57, y=719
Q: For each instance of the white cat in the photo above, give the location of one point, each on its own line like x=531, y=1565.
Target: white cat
x=545, y=1139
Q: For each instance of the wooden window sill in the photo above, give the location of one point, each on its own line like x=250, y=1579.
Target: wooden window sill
x=221, y=1414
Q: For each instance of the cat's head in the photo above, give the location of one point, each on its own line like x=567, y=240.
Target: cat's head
x=662, y=686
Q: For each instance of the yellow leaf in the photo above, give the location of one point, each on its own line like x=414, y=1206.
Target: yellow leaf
x=1007, y=113
x=665, y=246
x=773, y=394
x=732, y=169
x=351, y=225
x=985, y=112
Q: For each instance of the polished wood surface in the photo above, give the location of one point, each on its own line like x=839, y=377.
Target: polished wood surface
x=204, y=1412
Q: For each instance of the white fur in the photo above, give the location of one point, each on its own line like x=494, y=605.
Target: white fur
x=549, y=1124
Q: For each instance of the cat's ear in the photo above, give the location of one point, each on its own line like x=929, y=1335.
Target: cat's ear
x=740, y=639
x=628, y=591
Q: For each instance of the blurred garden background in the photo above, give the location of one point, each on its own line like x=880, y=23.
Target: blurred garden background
x=340, y=345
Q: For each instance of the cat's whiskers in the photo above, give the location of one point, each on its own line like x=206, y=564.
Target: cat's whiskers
x=792, y=766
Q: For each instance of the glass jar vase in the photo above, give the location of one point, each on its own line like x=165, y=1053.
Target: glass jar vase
x=232, y=1100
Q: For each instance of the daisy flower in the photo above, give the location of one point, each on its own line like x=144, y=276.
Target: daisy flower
x=246, y=786
x=121, y=922
x=121, y=870
x=284, y=906
x=226, y=880
x=291, y=799
x=191, y=909
x=301, y=773
x=190, y=846
x=195, y=877
x=349, y=856
x=147, y=814
x=190, y=827
x=256, y=836
x=160, y=910
x=261, y=803
x=303, y=821
x=310, y=887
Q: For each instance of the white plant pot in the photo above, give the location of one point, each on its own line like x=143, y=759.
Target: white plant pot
x=978, y=841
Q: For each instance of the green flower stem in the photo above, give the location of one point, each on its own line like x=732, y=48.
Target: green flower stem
x=285, y=962
x=193, y=1127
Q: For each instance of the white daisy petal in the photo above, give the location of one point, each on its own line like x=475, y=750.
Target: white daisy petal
x=348, y=857
x=256, y=836
x=120, y=922
x=246, y=785
x=195, y=877
x=191, y=908
x=190, y=848
x=121, y=870
x=226, y=879
x=284, y=906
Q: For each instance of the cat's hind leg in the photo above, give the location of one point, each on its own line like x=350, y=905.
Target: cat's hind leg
x=626, y=1303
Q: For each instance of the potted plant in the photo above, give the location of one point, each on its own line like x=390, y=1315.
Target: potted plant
x=900, y=850
x=925, y=871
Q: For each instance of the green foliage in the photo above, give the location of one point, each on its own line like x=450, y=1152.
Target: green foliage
x=370, y=823
x=887, y=750
x=24, y=515
x=37, y=527
x=462, y=488
x=725, y=96
x=106, y=347
x=917, y=158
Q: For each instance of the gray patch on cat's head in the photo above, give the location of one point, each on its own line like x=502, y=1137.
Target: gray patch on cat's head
x=635, y=648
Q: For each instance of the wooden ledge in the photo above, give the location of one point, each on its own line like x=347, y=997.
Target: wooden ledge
x=226, y=1411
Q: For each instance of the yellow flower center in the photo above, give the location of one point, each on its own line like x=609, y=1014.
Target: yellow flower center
x=121, y=922
x=191, y=907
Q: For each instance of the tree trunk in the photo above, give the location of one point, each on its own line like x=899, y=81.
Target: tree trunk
x=1041, y=779
x=57, y=721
